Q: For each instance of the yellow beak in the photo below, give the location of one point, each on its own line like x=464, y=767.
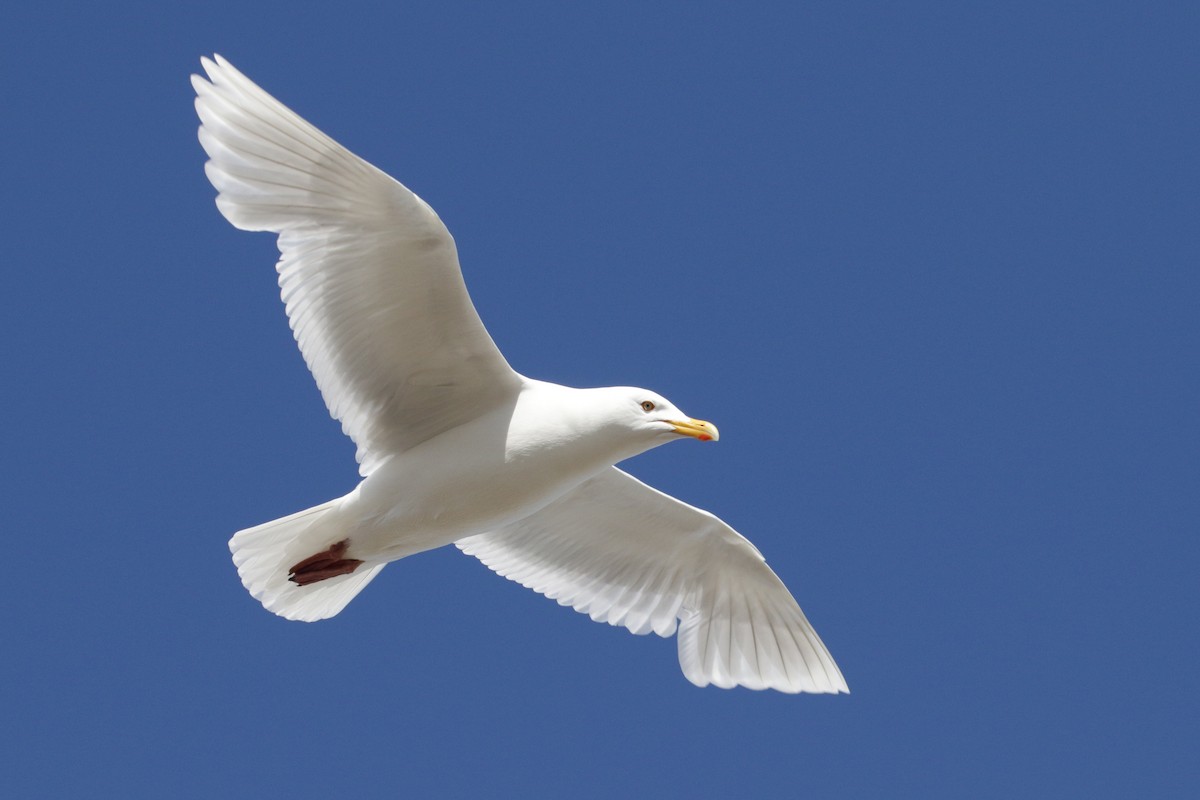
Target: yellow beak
x=704, y=431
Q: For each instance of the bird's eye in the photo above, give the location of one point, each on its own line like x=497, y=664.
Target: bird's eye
x=647, y=405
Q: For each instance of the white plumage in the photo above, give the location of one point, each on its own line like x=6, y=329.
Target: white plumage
x=456, y=447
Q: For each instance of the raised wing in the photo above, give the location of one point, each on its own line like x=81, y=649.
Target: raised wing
x=368, y=272
x=627, y=554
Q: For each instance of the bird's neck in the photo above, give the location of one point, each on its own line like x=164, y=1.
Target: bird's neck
x=570, y=428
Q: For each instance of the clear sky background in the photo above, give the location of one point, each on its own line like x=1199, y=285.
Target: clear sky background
x=932, y=269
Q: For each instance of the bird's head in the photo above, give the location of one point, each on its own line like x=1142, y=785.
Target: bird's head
x=653, y=418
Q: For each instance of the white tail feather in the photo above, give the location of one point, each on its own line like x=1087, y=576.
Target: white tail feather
x=264, y=553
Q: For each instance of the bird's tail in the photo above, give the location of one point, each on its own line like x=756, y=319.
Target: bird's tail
x=265, y=554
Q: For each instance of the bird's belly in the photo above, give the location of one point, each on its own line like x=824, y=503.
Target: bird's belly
x=417, y=502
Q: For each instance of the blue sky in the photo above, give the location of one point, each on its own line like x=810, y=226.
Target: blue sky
x=932, y=269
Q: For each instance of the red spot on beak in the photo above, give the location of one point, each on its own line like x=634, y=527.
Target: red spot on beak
x=704, y=437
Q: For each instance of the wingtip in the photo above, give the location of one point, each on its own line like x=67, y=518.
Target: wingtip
x=217, y=64
x=199, y=84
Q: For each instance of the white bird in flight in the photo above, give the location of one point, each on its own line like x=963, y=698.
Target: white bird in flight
x=454, y=446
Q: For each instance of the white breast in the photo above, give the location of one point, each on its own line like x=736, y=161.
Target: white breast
x=478, y=477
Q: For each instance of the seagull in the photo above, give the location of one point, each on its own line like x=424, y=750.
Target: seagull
x=453, y=445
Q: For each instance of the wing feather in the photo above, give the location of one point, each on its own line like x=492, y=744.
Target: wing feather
x=627, y=554
x=368, y=273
